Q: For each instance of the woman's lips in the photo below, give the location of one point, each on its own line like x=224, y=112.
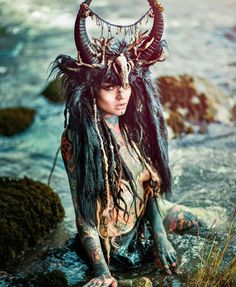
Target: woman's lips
x=121, y=106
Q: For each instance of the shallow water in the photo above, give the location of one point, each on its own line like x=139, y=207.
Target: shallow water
x=201, y=42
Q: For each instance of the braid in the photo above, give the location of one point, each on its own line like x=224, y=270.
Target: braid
x=105, y=212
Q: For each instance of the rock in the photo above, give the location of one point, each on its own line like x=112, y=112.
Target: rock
x=3, y=31
x=137, y=282
x=192, y=101
x=231, y=34
x=54, y=91
x=55, y=278
x=233, y=113
x=15, y=120
x=28, y=210
x=177, y=123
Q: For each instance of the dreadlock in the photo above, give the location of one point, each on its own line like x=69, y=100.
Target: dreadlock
x=100, y=165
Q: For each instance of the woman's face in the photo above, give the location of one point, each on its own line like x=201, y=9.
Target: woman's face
x=113, y=99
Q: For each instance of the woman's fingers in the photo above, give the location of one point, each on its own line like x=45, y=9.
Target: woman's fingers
x=173, y=263
x=90, y=283
x=171, y=259
x=165, y=265
x=168, y=263
x=102, y=281
x=114, y=283
x=93, y=282
x=108, y=283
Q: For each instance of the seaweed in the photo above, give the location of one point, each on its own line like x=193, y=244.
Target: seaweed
x=28, y=211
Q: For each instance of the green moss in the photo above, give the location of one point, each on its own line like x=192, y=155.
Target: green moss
x=28, y=210
x=15, y=120
x=54, y=91
x=3, y=31
x=137, y=282
x=55, y=278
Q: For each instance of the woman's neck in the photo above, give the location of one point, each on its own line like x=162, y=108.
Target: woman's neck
x=112, y=122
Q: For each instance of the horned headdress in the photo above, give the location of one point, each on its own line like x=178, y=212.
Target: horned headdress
x=142, y=51
x=120, y=62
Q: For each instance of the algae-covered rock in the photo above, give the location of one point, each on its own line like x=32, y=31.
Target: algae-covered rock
x=3, y=31
x=54, y=91
x=28, y=210
x=177, y=122
x=15, y=120
x=192, y=101
x=137, y=282
x=55, y=278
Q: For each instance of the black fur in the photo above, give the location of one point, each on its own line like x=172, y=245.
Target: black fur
x=146, y=128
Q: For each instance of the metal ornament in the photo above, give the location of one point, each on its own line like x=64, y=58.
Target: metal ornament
x=142, y=51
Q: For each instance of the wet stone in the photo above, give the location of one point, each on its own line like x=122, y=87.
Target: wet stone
x=192, y=103
x=137, y=282
x=28, y=211
x=54, y=91
x=15, y=120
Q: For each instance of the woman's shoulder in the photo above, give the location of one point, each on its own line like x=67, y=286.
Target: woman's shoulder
x=67, y=134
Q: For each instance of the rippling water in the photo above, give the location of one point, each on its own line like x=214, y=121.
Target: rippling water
x=202, y=41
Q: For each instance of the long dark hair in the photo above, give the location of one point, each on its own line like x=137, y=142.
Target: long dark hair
x=143, y=124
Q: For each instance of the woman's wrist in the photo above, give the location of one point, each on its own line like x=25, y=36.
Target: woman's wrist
x=160, y=235
x=101, y=269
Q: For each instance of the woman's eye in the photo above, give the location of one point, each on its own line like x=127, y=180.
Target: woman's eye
x=109, y=88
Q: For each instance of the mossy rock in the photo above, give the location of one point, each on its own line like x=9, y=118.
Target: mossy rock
x=28, y=210
x=55, y=278
x=177, y=123
x=54, y=91
x=180, y=93
x=15, y=120
x=194, y=100
x=3, y=31
x=137, y=282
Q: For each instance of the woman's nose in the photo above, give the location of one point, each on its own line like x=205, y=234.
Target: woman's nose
x=120, y=94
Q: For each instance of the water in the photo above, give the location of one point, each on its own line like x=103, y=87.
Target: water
x=196, y=31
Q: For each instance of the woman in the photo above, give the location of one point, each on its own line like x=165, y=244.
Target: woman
x=114, y=147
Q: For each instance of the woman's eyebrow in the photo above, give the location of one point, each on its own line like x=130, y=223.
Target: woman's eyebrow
x=107, y=85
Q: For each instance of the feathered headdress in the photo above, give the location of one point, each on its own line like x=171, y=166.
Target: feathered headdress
x=142, y=51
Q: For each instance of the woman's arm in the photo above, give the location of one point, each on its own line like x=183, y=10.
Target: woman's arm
x=91, y=244
x=165, y=251
x=87, y=233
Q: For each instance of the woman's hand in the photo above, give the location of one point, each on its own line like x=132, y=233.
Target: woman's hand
x=102, y=281
x=166, y=255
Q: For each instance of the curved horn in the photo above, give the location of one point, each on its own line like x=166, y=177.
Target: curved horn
x=84, y=46
x=154, y=50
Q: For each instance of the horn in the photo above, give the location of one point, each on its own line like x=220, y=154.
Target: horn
x=84, y=46
x=155, y=49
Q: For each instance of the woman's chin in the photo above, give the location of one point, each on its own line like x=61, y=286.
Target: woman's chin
x=120, y=112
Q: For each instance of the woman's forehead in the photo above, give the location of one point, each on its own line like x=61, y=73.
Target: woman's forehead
x=108, y=84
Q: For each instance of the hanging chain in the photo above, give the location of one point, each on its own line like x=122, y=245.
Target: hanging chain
x=127, y=29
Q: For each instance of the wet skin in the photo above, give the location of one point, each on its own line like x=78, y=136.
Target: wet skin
x=113, y=101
